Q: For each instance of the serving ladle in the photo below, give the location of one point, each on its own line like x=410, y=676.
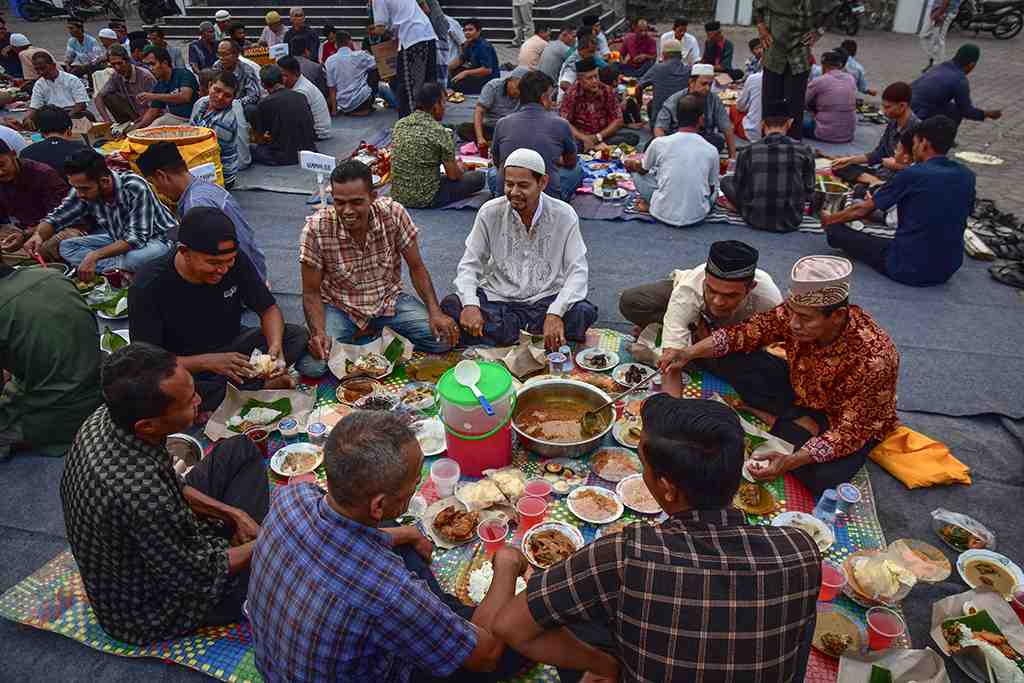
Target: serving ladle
x=591, y=420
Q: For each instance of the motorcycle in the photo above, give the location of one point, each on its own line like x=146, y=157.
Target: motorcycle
x=847, y=16
x=37, y=10
x=88, y=9
x=1004, y=19
x=151, y=11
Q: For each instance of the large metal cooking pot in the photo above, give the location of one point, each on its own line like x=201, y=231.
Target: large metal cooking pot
x=564, y=389
x=831, y=196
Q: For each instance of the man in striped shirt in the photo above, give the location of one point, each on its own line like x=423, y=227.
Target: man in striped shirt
x=132, y=224
x=215, y=111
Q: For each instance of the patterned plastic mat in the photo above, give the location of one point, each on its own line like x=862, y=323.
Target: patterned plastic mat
x=54, y=599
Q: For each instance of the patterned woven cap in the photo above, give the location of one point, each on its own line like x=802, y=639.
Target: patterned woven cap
x=820, y=280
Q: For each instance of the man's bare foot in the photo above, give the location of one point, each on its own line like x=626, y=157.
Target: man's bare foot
x=642, y=206
x=284, y=381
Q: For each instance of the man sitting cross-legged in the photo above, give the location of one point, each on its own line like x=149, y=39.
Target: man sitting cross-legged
x=525, y=265
x=190, y=303
x=421, y=146
x=693, y=303
x=498, y=98
x=702, y=591
x=159, y=555
x=284, y=122
x=880, y=163
x=716, y=127
x=351, y=256
x=222, y=113
x=118, y=99
x=678, y=177
x=934, y=196
x=371, y=607
x=774, y=176
x=173, y=95
x=593, y=110
x=843, y=369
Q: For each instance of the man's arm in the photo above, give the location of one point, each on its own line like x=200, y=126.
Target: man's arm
x=730, y=142
x=313, y=307
x=182, y=95
x=962, y=98
x=478, y=123
x=611, y=128
x=149, y=116
x=272, y=325
x=332, y=100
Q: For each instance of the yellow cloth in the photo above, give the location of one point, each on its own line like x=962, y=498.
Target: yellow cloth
x=919, y=461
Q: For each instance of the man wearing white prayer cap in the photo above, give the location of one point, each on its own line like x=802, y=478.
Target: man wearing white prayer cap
x=222, y=24
x=107, y=37
x=843, y=369
x=525, y=265
x=717, y=127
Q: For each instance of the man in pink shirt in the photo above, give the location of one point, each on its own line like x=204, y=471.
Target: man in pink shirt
x=533, y=48
x=639, y=50
x=831, y=102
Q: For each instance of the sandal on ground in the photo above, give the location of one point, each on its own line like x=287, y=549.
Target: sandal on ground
x=1009, y=273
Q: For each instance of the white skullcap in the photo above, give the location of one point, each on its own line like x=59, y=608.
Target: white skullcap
x=107, y=33
x=19, y=40
x=702, y=70
x=820, y=280
x=527, y=158
x=222, y=15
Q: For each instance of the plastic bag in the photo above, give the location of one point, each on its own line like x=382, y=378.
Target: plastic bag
x=961, y=532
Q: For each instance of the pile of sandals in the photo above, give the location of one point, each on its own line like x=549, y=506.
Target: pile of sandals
x=1003, y=235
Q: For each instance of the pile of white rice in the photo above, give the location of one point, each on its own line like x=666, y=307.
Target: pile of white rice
x=480, y=581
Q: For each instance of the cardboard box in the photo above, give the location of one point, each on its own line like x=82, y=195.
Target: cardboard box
x=92, y=132
x=386, y=54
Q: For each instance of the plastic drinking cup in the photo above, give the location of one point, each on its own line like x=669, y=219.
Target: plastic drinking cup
x=593, y=339
x=259, y=436
x=445, y=475
x=531, y=512
x=538, y=487
x=492, y=533
x=833, y=579
x=884, y=626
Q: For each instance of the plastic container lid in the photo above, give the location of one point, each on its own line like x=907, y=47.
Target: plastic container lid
x=495, y=382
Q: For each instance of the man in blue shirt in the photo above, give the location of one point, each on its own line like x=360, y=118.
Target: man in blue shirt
x=335, y=594
x=84, y=53
x=175, y=92
x=934, y=197
x=855, y=69
x=477, y=62
x=944, y=89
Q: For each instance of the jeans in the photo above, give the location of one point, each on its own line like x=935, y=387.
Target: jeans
x=75, y=249
x=452, y=191
x=564, y=186
x=860, y=246
x=503, y=320
x=809, y=125
x=467, y=131
x=409, y=320
x=790, y=88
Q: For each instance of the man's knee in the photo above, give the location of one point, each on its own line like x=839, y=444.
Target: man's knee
x=308, y=366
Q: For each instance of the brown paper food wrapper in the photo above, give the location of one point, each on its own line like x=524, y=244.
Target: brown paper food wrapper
x=921, y=666
x=343, y=352
x=235, y=398
x=525, y=358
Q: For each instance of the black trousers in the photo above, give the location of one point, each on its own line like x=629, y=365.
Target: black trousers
x=212, y=387
x=234, y=474
x=791, y=88
x=467, y=131
x=869, y=249
x=470, y=85
x=416, y=65
x=511, y=662
x=818, y=476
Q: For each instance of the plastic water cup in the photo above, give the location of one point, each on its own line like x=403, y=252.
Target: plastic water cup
x=259, y=436
x=593, y=339
x=492, y=533
x=538, y=487
x=531, y=512
x=884, y=626
x=833, y=578
x=445, y=475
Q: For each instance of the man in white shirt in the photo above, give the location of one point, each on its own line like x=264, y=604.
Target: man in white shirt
x=678, y=177
x=56, y=87
x=693, y=303
x=749, y=104
x=291, y=75
x=691, y=46
x=525, y=265
x=348, y=90
x=417, y=46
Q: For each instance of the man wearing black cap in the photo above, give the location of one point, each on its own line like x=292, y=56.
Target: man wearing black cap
x=593, y=110
x=718, y=51
x=693, y=303
x=774, y=176
x=190, y=303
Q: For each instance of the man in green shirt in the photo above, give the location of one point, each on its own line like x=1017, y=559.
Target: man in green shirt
x=421, y=145
x=788, y=30
x=50, y=347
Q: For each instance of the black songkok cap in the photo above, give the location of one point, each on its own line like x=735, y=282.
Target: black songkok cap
x=204, y=228
x=713, y=26
x=732, y=260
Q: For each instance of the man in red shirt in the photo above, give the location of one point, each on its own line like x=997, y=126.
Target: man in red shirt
x=639, y=50
x=593, y=110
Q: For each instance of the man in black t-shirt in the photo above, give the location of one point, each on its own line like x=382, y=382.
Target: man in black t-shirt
x=56, y=146
x=284, y=122
x=190, y=303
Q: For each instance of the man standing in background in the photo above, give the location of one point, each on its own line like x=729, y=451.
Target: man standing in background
x=940, y=16
x=417, y=46
x=522, y=20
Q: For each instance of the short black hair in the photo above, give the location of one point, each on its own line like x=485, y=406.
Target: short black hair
x=939, y=131
x=6, y=149
x=342, y=37
x=850, y=46
x=227, y=79
x=680, y=21
x=161, y=54
x=156, y=31
x=52, y=119
x=350, y=170
x=541, y=27
x=231, y=44
x=697, y=445
x=532, y=87
x=609, y=75
x=328, y=29
x=428, y=95
x=87, y=161
x=45, y=56
x=475, y=23
x=270, y=75
x=118, y=50
x=162, y=156
x=297, y=46
x=897, y=92
x=137, y=40
x=585, y=40
x=689, y=109
x=753, y=42
x=234, y=26
x=290, y=64
x=130, y=379
x=585, y=65
x=833, y=58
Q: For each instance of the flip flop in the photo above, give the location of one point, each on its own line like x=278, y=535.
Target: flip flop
x=1009, y=273
x=1008, y=251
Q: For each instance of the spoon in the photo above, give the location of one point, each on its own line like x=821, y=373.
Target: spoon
x=591, y=419
x=467, y=373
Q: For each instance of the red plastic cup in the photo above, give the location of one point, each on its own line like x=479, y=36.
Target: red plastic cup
x=259, y=436
x=884, y=626
x=538, y=488
x=492, y=533
x=833, y=579
x=1017, y=603
x=531, y=511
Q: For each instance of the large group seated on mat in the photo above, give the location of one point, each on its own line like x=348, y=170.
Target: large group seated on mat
x=333, y=593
